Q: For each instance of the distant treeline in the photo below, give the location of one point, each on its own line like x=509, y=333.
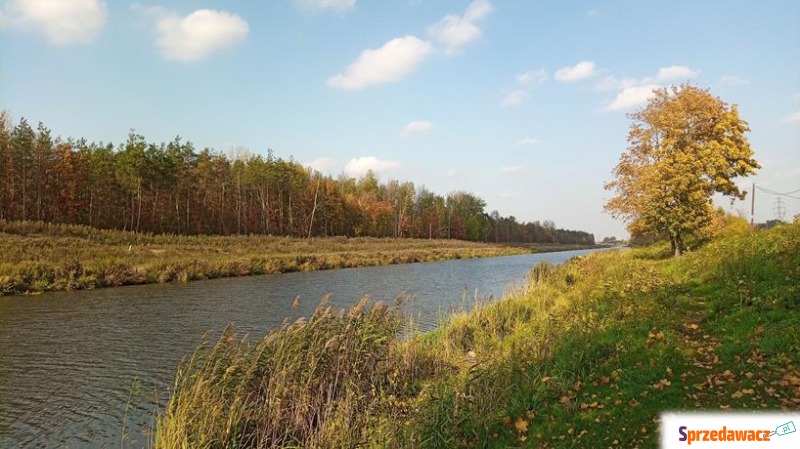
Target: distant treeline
x=173, y=188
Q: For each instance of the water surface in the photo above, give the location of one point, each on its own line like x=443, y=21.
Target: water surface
x=68, y=360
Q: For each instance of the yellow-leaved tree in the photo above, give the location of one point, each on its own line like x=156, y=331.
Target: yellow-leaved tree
x=684, y=146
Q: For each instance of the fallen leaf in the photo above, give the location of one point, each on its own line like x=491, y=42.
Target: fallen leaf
x=660, y=385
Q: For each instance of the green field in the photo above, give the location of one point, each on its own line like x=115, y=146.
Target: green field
x=587, y=354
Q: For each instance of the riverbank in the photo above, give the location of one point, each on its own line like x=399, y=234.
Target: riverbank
x=40, y=257
x=586, y=354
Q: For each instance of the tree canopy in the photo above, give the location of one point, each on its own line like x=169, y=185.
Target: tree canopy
x=684, y=146
x=174, y=188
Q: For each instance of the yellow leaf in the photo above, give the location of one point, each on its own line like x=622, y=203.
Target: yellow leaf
x=521, y=425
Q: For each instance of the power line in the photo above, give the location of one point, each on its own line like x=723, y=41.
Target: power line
x=772, y=192
x=778, y=193
x=780, y=207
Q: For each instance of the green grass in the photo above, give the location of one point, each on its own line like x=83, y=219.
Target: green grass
x=38, y=257
x=587, y=354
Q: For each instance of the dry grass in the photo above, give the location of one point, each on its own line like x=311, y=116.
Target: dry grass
x=39, y=257
x=319, y=382
x=601, y=343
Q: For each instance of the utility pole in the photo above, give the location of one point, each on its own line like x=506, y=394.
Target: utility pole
x=752, y=205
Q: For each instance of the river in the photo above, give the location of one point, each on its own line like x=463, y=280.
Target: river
x=68, y=360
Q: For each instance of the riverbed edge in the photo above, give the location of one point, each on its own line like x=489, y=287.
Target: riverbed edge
x=102, y=259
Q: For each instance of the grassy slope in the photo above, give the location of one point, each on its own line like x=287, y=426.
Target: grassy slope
x=37, y=257
x=587, y=355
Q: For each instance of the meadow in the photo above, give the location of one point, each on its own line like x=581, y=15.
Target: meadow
x=38, y=257
x=587, y=354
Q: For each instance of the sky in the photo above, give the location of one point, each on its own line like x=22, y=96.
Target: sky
x=523, y=103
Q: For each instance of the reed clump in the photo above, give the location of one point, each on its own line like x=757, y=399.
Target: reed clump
x=601, y=343
x=316, y=382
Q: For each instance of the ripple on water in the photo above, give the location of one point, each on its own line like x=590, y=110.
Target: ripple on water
x=69, y=359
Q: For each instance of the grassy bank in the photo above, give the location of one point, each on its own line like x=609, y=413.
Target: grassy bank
x=586, y=355
x=39, y=257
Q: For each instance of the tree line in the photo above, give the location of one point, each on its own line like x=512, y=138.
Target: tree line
x=174, y=188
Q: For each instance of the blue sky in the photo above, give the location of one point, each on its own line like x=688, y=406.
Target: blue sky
x=521, y=102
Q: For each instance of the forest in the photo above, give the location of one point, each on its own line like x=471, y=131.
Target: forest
x=174, y=188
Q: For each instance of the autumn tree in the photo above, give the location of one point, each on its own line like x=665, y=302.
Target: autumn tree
x=684, y=146
x=172, y=188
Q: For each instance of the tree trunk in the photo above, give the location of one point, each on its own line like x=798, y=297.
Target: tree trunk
x=676, y=242
x=313, y=210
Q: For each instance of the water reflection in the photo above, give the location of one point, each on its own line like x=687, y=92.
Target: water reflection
x=68, y=360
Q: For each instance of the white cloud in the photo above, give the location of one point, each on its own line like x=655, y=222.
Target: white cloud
x=612, y=83
x=360, y=166
x=321, y=164
x=527, y=142
x=416, y=127
x=515, y=98
x=62, y=22
x=199, y=34
x=326, y=5
x=731, y=80
x=634, y=92
x=454, y=32
x=532, y=78
x=392, y=62
x=792, y=118
x=452, y=172
x=512, y=168
x=630, y=97
x=675, y=72
x=580, y=71
x=664, y=74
